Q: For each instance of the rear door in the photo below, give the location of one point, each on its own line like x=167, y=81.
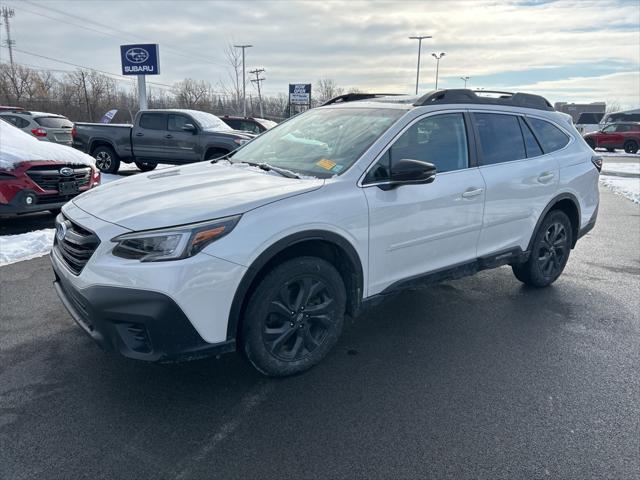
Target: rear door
x=520, y=180
x=182, y=146
x=148, y=136
x=608, y=138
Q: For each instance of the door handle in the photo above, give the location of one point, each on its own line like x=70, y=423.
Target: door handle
x=168, y=136
x=470, y=193
x=545, y=177
x=139, y=134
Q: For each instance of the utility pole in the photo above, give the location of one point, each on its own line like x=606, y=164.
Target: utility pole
x=257, y=81
x=437, y=57
x=8, y=13
x=419, y=38
x=244, y=81
x=86, y=95
x=464, y=79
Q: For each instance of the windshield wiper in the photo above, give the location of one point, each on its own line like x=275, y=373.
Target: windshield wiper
x=285, y=173
x=224, y=157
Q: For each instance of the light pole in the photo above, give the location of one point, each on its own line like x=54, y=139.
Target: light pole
x=437, y=57
x=464, y=79
x=419, y=38
x=244, y=81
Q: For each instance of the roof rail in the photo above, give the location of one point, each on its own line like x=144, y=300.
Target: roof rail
x=525, y=100
x=352, y=97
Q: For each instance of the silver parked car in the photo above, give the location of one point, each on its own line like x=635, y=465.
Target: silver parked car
x=48, y=127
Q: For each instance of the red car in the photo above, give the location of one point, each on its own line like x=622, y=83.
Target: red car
x=37, y=176
x=616, y=135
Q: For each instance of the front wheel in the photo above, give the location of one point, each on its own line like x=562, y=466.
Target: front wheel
x=609, y=149
x=294, y=316
x=106, y=159
x=549, y=252
x=145, y=167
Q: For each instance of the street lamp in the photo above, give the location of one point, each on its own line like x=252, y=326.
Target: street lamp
x=244, y=82
x=464, y=79
x=437, y=57
x=419, y=38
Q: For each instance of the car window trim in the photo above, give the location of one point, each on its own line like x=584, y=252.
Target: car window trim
x=471, y=152
x=479, y=143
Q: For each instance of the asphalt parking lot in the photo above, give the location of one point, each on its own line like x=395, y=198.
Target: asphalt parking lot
x=476, y=378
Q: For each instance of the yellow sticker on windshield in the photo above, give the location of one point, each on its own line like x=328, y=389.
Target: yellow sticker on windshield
x=326, y=164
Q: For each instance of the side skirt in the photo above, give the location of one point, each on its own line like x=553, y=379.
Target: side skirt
x=506, y=257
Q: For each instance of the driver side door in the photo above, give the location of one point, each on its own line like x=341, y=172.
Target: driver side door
x=419, y=229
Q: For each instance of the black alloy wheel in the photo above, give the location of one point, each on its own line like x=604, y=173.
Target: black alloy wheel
x=106, y=159
x=294, y=316
x=553, y=249
x=631, y=146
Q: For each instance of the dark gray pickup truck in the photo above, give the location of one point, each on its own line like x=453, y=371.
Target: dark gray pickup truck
x=158, y=136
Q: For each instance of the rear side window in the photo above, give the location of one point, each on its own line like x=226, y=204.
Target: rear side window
x=153, y=121
x=53, y=122
x=500, y=137
x=551, y=137
x=530, y=142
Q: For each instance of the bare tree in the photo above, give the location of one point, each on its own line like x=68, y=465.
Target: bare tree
x=192, y=93
x=326, y=89
x=232, y=88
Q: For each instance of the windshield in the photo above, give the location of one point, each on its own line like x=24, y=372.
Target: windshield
x=53, y=122
x=319, y=142
x=209, y=121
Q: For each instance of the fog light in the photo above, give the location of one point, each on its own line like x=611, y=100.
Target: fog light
x=30, y=199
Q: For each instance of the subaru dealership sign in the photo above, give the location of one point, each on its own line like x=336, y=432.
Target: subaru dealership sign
x=140, y=59
x=299, y=93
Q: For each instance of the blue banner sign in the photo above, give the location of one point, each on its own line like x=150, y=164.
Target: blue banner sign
x=140, y=59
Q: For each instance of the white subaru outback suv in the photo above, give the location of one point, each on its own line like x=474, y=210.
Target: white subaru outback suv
x=267, y=249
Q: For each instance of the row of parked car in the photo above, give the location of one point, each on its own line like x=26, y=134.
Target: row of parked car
x=40, y=171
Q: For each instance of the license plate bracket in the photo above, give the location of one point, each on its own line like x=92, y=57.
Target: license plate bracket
x=68, y=188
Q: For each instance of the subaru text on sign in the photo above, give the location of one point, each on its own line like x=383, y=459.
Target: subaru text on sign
x=140, y=59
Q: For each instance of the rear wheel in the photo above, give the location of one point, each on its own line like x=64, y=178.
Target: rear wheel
x=631, y=146
x=609, y=149
x=294, y=316
x=146, y=167
x=549, y=251
x=106, y=159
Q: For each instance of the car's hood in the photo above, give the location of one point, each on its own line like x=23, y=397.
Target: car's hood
x=188, y=194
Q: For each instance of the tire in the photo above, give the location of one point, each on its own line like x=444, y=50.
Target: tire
x=55, y=211
x=215, y=153
x=146, y=167
x=545, y=264
x=609, y=149
x=294, y=316
x=106, y=159
x=591, y=142
x=631, y=146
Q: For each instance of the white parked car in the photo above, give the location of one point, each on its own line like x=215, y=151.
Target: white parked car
x=266, y=250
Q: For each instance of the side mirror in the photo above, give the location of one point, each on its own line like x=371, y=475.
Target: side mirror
x=410, y=172
x=189, y=127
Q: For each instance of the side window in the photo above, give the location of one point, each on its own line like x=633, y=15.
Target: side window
x=250, y=127
x=176, y=122
x=530, y=142
x=623, y=128
x=22, y=122
x=11, y=119
x=439, y=139
x=500, y=137
x=551, y=137
x=235, y=124
x=153, y=121
x=609, y=129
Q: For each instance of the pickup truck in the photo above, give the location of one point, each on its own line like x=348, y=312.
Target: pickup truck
x=158, y=136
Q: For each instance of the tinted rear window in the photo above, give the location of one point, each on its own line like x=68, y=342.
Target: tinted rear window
x=153, y=121
x=551, y=137
x=500, y=137
x=530, y=142
x=53, y=122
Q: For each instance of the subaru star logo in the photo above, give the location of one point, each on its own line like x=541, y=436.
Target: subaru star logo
x=66, y=171
x=61, y=230
x=137, y=55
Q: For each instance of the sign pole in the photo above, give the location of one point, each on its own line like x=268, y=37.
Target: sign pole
x=142, y=92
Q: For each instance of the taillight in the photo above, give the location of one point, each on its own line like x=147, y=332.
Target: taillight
x=597, y=162
x=74, y=132
x=39, y=132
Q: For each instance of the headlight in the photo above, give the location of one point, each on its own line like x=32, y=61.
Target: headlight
x=172, y=243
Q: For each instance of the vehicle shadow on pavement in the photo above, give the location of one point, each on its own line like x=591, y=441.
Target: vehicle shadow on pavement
x=17, y=224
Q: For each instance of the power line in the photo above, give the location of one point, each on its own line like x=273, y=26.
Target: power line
x=127, y=35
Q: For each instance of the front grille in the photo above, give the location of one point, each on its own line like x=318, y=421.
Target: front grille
x=47, y=199
x=77, y=245
x=48, y=177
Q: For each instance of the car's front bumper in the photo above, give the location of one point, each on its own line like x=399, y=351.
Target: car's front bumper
x=139, y=324
x=183, y=306
x=18, y=203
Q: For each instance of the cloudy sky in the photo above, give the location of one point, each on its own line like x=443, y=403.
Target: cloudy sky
x=567, y=50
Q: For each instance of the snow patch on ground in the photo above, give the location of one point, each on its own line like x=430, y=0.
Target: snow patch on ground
x=627, y=186
x=617, y=153
x=633, y=168
x=15, y=248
